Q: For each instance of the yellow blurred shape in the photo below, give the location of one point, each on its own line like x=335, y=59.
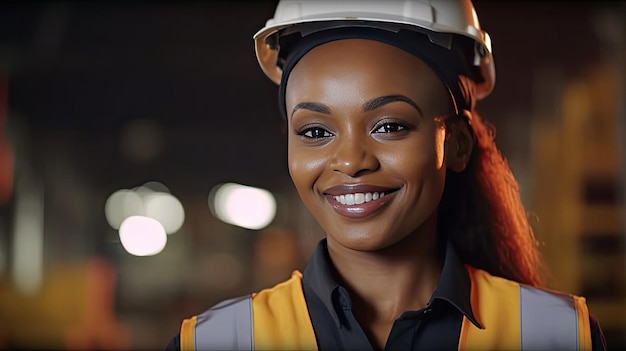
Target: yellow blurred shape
x=74, y=309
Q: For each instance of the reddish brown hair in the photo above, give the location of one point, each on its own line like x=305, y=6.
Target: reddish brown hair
x=483, y=216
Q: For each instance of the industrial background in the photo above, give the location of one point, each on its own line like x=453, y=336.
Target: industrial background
x=118, y=109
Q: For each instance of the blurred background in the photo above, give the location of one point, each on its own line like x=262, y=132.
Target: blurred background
x=126, y=117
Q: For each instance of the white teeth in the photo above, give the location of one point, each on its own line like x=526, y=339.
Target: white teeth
x=349, y=199
x=357, y=198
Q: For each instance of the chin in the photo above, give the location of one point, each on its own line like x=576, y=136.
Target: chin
x=363, y=241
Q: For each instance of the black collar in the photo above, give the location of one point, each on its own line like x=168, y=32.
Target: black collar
x=453, y=288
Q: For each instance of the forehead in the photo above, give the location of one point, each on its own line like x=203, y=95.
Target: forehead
x=358, y=67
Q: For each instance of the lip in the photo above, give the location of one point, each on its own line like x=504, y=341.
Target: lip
x=362, y=210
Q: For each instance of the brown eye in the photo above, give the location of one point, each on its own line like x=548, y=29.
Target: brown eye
x=389, y=128
x=315, y=133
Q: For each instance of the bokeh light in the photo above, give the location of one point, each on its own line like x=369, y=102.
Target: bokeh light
x=242, y=205
x=142, y=236
x=143, y=215
x=122, y=204
x=166, y=209
x=151, y=199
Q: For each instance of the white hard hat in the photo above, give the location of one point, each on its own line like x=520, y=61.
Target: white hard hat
x=438, y=18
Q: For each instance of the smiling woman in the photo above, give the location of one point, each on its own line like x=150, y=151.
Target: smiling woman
x=370, y=139
x=427, y=243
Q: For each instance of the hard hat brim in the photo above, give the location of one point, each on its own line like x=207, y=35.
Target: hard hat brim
x=267, y=56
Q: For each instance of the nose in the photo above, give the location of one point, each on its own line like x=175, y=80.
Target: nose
x=354, y=156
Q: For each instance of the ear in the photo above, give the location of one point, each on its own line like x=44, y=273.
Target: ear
x=459, y=144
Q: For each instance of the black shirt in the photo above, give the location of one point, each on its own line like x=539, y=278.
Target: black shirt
x=437, y=326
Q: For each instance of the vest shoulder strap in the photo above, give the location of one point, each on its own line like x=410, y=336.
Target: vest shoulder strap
x=225, y=326
x=273, y=319
x=520, y=317
x=560, y=319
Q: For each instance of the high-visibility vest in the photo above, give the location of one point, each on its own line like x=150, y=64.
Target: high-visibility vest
x=513, y=316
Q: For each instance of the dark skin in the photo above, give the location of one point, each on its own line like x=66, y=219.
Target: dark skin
x=368, y=117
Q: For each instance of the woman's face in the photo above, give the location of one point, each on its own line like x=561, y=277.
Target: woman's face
x=366, y=149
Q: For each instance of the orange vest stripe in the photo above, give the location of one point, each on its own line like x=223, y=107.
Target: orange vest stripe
x=495, y=304
x=584, y=329
x=188, y=334
x=281, y=318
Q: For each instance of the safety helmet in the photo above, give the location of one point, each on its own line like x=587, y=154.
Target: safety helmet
x=439, y=19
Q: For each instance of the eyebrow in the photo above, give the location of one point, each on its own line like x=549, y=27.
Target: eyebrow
x=369, y=105
x=311, y=106
x=384, y=100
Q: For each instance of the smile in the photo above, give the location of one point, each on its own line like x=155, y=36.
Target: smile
x=358, y=201
x=358, y=198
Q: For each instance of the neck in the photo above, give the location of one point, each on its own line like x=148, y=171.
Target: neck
x=385, y=283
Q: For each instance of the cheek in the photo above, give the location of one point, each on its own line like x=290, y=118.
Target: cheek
x=305, y=166
x=419, y=165
x=418, y=157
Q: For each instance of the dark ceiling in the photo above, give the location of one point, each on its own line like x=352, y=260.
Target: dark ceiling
x=100, y=63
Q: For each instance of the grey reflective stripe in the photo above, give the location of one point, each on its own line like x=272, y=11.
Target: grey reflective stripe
x=226, y=326
x=549, y=321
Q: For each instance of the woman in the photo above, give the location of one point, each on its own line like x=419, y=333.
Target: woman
x=427, y=244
